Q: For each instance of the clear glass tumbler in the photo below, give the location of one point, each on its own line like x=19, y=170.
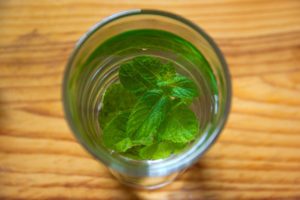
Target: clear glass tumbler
x=93, y=67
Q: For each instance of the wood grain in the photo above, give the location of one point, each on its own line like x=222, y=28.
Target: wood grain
x=257, y=155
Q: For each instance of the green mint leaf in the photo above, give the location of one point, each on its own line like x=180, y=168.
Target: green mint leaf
x=116, y=100
x=115, y=132
x=124, y=145
x=134, y=152
x=180, y=87
x=142, y=73
x=167, y=72
x=180, y=126
x=146, y=116
x=157, y=151
x=178, y=147
x=184, y=88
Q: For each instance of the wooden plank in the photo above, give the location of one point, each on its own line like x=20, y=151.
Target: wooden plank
x=256, y=157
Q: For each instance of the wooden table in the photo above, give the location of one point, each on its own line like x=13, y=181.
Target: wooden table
x=257, y=155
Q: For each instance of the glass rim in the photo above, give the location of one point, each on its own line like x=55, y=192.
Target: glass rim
x=180, y=162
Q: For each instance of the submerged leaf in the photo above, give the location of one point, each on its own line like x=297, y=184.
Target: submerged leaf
x=115, y=131
x=180, y=87
x=156, y=151
x=143, y=73
x=180, y=126
x=146, y=117
x=116, y=100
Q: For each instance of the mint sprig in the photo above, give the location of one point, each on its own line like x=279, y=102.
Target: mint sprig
x=146, y=116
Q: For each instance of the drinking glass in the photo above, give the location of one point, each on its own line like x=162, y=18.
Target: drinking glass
x=93, y=67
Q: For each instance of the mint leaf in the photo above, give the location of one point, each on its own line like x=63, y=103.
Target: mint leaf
x=183, y=88
x=142, y=73
x=180, y=126
x=180, y=87
x=124, y=145
x=178, y=147
x=146, y=116
x=115, y=132
x=134, y=152
x=167, y=72
x=160, y=150
x=157, y=151
x=116, y=100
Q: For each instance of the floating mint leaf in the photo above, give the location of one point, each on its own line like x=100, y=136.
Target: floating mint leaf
x=134, y=152
x=115, y=131
x=157, y=151
x=180, y=126
x=124, y=145
x=184, y=88
x=167, y=72
x=142, y=73
x=180, y=87
x=146, y=117
x=160, y=150
x=178, y=147
x=116, y=100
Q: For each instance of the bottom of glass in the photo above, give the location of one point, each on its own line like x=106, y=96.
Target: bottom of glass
x=148, y=183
